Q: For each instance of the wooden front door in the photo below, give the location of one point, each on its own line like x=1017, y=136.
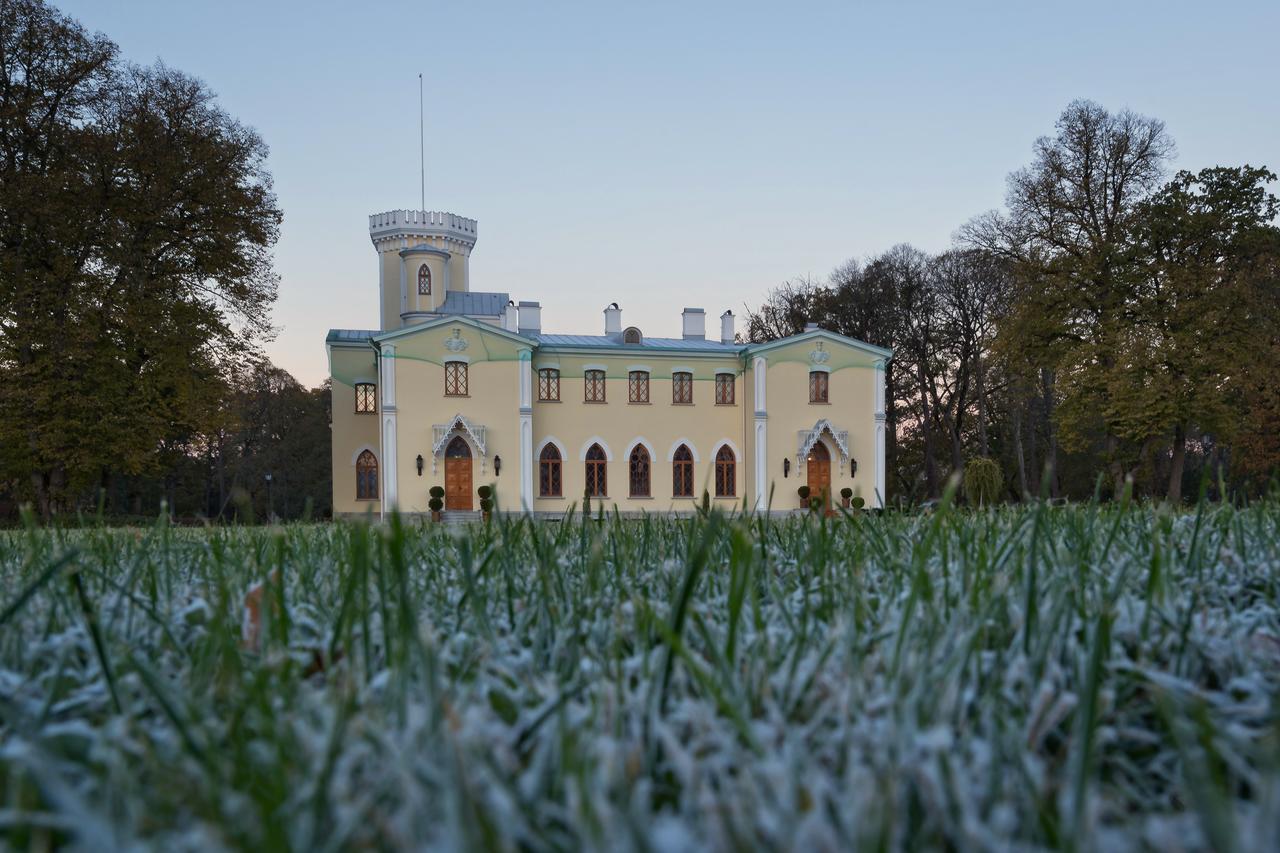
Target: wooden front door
x=819, y=464
x=457, y=475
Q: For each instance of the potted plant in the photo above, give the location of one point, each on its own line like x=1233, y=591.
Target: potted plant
x=436, y=503
x=586, y=503
x=845, y=494
x=859, y=502
x=803, y=492
x=486, y=501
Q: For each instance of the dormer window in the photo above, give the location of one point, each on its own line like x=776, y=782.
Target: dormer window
x=424, y=281
x=632, y=336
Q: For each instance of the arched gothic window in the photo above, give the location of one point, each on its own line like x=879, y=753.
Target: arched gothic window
x=424, y=281
x=682, y=472
x=550, y=482
x=726, y=473
x=597, y=482
x=638, y=468
x=367, y=476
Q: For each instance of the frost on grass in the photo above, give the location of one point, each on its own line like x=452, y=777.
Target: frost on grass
x=1020, y=679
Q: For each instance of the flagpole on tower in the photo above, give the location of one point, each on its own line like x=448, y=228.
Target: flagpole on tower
x=422, y=149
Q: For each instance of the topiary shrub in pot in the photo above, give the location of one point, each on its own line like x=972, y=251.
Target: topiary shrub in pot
x=858, y=502
x=803, y=492
x=486, y=501
x=436, y=504
x=586, y=504
x=845, y=494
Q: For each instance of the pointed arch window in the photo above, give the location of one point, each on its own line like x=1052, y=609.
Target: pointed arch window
x=638, y=470
x=367, y=476
x=424, y=281
x=726, y=473
x=550, y=479
x=597, y=482
x=682, y=472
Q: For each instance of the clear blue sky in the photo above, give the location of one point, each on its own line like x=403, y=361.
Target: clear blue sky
x=671, y=154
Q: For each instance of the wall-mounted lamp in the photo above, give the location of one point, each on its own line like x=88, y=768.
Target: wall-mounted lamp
x=419, y=464
x=786, y=466
x=853, y=467
x=497, y=466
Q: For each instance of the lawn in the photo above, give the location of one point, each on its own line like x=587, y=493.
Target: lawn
x=1092, y=677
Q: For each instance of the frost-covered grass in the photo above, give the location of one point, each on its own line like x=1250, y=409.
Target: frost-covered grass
x=1086, y=677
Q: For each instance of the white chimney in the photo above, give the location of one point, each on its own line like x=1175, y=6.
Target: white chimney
x=811, y=327
x=510, y=316
x=695, y=324
x=726, y=327
x=530, y=322
x=613, y=319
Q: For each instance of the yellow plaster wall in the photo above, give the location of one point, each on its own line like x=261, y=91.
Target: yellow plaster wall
x=574, y=422
x=851, y=392
x=492, y=401
x=351, y=431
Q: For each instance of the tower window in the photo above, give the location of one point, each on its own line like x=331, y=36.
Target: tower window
x=593, y=382
x=818, y=384
x=366, y=398
x=726, y=473
x=424, y=281
x=638, y=467
x=724, y=389
x=638, y=386
x=455, y=379
x=366, y=476
x=550, y=482
x=632, y=336
x=549, y=385
x=682, y=388
x=682, y=473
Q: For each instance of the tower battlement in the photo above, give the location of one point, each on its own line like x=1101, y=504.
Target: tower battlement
x=399, y=224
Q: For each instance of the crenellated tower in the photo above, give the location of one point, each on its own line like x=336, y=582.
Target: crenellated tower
x=422, y=256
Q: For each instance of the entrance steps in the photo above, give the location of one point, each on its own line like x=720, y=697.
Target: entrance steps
x=459, y=516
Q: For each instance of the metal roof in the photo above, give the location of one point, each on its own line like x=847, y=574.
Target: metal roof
x=615, y=342
x=350, y=335
x=486, y=304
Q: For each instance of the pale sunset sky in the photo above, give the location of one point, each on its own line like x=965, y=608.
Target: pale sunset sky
x=664, y=155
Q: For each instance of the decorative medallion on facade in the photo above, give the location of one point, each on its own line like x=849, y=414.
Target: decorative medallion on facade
x=457, y=343
x=819, y=355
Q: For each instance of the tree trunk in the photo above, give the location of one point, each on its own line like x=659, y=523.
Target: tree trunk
x=1177, y=463
x=926, y=424
x=980, y=380
x=1018, y=456
x=1051, y=451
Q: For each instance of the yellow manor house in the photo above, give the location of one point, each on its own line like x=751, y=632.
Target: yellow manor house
x=461, y=389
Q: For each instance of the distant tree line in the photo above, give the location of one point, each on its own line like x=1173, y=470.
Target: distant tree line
x=1113, y=324
x=136, y=222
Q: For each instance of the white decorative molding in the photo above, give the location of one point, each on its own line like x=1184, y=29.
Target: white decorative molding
x=525, y=376
x=809, y=437
x=761, y=472
x=460, y=426
x=819, y=355
x=653, y=455
x=595, y=439
x=693, y=449
x=880, y=418
x=554, y=442
x=361, y=449
x=681, y=368
x=737, y=454
x=457, y=359
x=819, y=368
x=759, y=371
x=456, y=343
x=644, y=368
x=387, y=468
x=526, y=457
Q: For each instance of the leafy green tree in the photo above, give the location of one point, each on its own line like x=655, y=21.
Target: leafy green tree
x=136, y=219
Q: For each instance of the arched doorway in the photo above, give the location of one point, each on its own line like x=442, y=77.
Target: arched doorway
x=457, y=475
x=818, y=463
